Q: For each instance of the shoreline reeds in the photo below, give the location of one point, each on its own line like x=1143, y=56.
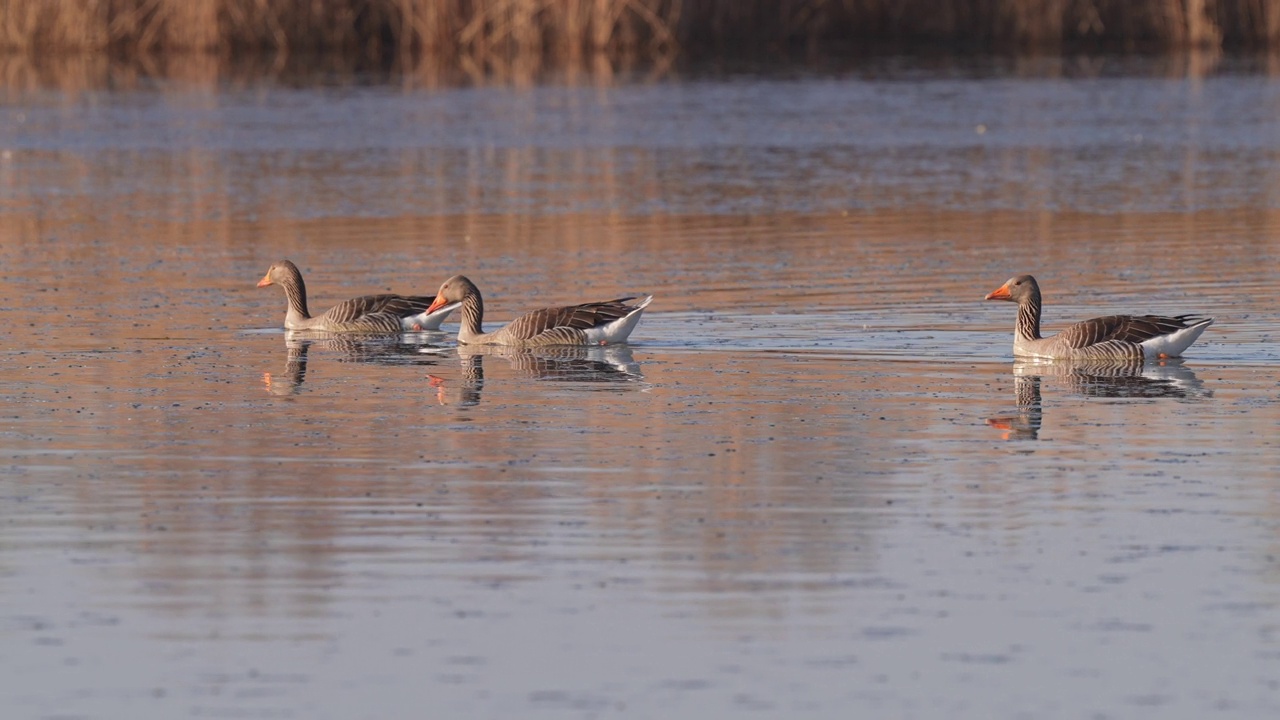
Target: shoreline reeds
x=391, y=29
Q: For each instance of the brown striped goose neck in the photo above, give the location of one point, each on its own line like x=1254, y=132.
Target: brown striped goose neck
x=599, y=323
x=1109, y=338
x=1023, y=290
x=287, y=275
x=459, y=288
x=384, y=313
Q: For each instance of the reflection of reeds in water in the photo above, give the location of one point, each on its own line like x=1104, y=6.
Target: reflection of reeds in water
x=400, y=28
x=185, y=71
x=1098, y=380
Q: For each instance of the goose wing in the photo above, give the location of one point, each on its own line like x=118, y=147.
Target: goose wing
x=569, y=320
x=396, y=306
x=1122, y=329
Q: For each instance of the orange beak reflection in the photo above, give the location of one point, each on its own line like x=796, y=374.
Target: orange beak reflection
x=1003, y=424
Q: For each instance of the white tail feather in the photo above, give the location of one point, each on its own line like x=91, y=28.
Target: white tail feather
x=618, y=330
x=1174, y=343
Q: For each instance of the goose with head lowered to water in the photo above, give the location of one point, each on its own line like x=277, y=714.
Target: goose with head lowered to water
x=1114, y=337
x=597, y=323
x=384, y=313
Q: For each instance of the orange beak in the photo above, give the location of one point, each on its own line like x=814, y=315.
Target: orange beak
x=1002, y=293
x=438, y=303
x=266, y=280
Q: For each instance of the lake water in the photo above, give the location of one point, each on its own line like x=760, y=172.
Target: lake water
x=814, y=485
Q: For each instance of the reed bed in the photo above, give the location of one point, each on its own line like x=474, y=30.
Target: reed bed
x=399, y=28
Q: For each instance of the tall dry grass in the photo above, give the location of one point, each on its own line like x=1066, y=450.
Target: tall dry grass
x=401, y=28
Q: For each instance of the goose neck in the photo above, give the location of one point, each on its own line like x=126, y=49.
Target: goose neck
x=1029, y=318
x=472, y=315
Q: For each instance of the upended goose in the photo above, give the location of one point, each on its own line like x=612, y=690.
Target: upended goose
x=367, y=314
x=1115, y=337
x=599, y=323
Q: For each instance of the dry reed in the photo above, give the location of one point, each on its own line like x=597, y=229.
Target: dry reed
x=404, y=28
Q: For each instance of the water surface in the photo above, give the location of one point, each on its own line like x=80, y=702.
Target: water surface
x=816, y=483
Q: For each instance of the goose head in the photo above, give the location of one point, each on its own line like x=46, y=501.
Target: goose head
x=455, y=289
x=1019, y=289
x=281, y=273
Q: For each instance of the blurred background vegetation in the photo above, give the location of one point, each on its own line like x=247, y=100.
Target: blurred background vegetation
x=399, y=30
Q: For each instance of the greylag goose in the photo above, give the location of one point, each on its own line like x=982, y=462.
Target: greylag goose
x=365, y=314
x=1111, y=338
x=599, y=323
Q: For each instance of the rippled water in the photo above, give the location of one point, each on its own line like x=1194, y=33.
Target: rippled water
x=815, y=484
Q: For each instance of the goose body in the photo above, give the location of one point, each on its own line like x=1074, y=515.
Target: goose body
x=598, y=323
x=1111, y=338
x=384, y=313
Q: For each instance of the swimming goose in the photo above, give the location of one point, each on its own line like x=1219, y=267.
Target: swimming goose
x=599, y=323
x=1115, y=337
x=368, y=313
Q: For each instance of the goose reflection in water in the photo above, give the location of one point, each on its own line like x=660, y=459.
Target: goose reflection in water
x=1168, y=379
x=464, y=391
x=403, y=349
x=295, y=370
x=597, y=367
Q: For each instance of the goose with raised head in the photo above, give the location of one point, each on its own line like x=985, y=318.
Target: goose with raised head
x=366, y=314
x=598, y=323
x=1110, y=338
